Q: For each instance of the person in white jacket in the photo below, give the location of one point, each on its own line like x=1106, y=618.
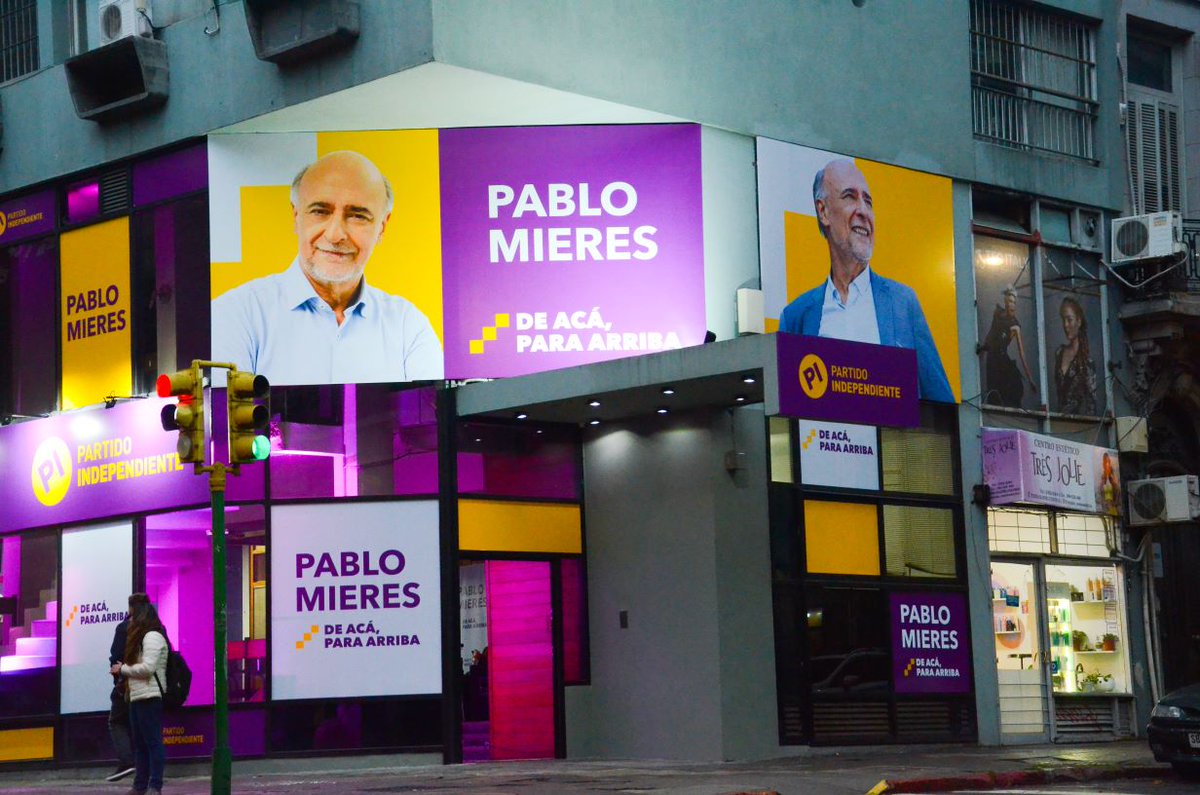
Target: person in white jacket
x=145, y=669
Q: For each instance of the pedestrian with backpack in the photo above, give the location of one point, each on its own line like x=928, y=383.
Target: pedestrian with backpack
x=144, y=667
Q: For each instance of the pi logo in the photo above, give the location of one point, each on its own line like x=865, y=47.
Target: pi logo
x=51, y=471
x=3, y=222
x=814, y=376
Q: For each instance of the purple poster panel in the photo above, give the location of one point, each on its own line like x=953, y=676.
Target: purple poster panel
x=568, y=245
x=930, y=649
x=26, y=216
x=92, y=464
x=839, y=381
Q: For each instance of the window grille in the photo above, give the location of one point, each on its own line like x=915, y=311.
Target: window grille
x=1033, y=79
x=18, y=38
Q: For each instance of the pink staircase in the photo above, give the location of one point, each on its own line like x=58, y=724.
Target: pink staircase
x=34, y=644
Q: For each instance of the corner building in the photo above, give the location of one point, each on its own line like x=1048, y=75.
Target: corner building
x=611, y=508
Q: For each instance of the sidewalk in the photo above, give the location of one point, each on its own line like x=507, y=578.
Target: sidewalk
x=832, y=771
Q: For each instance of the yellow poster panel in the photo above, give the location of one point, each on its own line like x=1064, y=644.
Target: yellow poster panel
x=506, y=526
x=25, y=745
x=408, y=259
x=841, y=538
x=94, y=304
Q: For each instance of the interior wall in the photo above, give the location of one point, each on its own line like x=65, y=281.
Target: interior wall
x=680, y=546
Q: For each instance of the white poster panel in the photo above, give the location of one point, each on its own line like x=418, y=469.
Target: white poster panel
x=355, y=600
x=839, y=454
x=97, y=566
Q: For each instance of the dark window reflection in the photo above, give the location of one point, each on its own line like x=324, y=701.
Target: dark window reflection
x=29, y=328
x=518, y=460
x=847, y=641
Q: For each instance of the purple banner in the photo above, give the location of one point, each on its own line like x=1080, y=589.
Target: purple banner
x=93, y=464
x=930, y=648
x=568, y=245
x=840, y=381
x=27, y=216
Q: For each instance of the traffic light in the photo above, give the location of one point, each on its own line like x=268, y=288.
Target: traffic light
x=186, y=416
x=248, y=417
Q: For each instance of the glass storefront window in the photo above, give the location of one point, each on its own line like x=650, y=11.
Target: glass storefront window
x=920, y=460
x=353, y=440
x=519, y=460
x=1016, y=621
x=28, y=329
x=1085, y=612
x=29, y=622
x=919, y=542
x=179, y=583
x=847, y=641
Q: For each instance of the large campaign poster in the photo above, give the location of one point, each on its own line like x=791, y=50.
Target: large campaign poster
x=403, y=255
x=355, y=600
x=97, y=567
x=818, y=207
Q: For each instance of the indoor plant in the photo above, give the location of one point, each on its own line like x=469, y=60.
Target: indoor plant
x=1108, y=642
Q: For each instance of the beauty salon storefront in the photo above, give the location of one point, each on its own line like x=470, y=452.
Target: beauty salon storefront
x=1058, y=589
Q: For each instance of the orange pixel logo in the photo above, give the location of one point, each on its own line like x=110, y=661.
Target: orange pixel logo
x=912, y=663
x=308, y=636
x=71, y=616
x=809, y=439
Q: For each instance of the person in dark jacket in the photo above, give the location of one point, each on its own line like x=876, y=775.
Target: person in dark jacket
x=118, y=711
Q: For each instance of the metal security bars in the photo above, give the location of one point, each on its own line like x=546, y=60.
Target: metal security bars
x=18, y=38
x=1033, y=79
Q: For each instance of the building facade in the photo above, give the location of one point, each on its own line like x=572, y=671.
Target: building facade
x=637, y=534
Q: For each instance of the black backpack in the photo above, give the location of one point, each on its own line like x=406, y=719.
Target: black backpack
x=179, y=680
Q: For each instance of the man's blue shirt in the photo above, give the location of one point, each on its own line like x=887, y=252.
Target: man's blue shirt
x=279, y=327
x=901, y=324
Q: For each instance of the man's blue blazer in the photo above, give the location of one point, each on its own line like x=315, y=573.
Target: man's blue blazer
x=901, y=325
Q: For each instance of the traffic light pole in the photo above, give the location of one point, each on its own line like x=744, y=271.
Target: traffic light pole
x=246, y=417
x=222, y=761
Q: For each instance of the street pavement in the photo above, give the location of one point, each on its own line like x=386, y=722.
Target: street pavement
x=820, y=771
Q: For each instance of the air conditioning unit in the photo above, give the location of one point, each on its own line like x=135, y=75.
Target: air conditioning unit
x=121, y=18
x=1141, y=237
x=1161, y=500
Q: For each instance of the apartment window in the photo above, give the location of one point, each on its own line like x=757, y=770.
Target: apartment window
x=1152, y=125
x=1033, y=79
x=18, y=38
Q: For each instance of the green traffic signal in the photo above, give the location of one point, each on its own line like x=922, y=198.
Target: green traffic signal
x=248, y=418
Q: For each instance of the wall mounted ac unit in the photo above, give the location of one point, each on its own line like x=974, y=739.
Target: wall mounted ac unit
x=1141, y=237
x=1161, y=500
x=121, y=18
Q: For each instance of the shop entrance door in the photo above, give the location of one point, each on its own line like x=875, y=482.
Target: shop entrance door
x=509, y=662
x=1022, y=666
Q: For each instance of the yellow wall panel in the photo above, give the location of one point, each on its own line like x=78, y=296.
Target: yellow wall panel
x=841, y=538
x=21, y=745
x=96, y=331
x=495, y=526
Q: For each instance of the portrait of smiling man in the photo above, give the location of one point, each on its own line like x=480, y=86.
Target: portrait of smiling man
x=855, y=303
x=319, y=321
